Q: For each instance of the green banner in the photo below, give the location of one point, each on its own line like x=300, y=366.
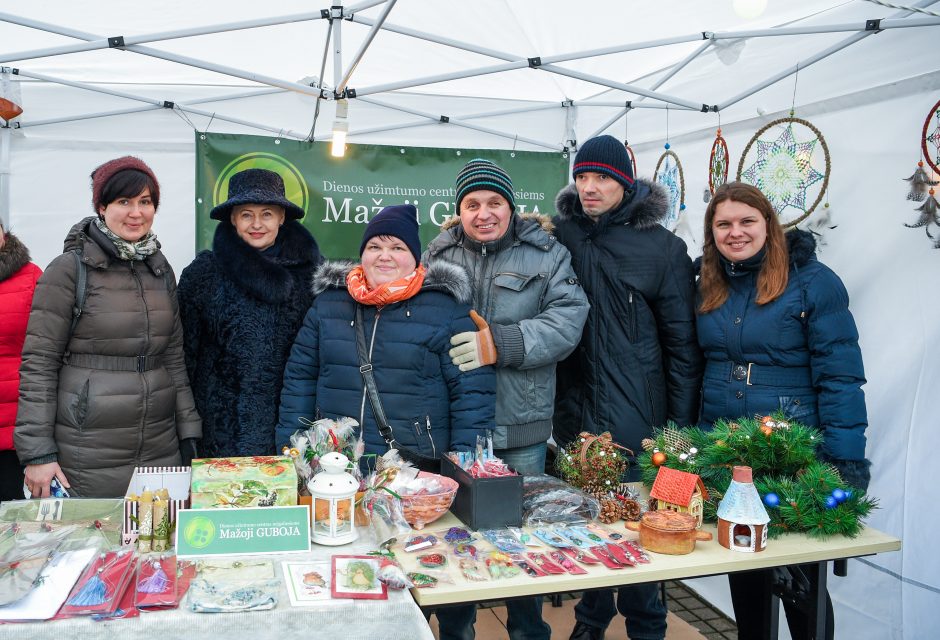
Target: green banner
x=340, y=195
x=252, y=530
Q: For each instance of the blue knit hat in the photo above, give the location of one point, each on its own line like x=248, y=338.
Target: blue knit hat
x=480, y=174
x=605, y=154
x=399, y=221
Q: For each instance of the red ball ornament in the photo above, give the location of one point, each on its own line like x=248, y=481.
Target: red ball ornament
x=659, y=458
x=766, y=430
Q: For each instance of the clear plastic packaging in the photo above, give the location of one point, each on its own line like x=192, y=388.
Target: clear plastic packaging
x=548, y=500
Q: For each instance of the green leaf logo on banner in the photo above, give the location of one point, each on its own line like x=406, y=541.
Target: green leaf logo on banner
x=200, y=532
x=294, y=184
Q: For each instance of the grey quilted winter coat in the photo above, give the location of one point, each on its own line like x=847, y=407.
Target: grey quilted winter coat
x=114, y=394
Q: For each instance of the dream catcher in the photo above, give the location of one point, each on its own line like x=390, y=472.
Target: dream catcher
x=718, y=163
x=791, y=169
x=669, y=174
x=922, y=183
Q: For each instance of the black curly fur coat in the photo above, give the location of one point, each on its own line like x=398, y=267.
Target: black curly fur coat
x=241, y=311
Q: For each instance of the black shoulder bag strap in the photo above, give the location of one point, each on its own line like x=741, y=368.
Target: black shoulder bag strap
x=365, y=368
x=422, y=462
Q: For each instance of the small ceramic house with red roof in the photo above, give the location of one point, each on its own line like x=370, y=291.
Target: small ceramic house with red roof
x=679, y=491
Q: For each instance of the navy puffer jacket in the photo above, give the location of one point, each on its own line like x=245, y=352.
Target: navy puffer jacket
x=431, y=406
x=802, y=351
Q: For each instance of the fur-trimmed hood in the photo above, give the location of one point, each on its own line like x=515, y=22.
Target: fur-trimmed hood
x=647, y=206
x=439, y=276
x=267, y=279
x=13, y=256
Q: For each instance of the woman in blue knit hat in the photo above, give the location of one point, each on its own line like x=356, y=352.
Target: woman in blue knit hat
x=403, y=316
x=242, y=304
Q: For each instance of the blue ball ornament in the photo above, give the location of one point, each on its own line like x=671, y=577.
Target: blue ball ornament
x=666, y=145
x=772, y=500
x=839, y=495
x=682, y=207
x=831, y=503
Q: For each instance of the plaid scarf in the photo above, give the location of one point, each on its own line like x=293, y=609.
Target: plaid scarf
x=140, y=250
x=390, y=292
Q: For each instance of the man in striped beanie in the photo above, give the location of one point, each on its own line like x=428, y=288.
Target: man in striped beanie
x=638, y=353
x=531, y=311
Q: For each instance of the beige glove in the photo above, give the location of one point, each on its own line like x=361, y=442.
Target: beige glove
x=473, y=349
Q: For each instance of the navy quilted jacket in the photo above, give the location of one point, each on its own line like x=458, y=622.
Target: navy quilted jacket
x=431, y=406
x=798, y=354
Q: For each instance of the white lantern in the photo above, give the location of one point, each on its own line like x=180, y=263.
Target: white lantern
x=334, y=494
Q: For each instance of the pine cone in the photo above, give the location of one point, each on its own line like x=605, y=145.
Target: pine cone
x=630, y=509
x=648, y=444
x=611, y=511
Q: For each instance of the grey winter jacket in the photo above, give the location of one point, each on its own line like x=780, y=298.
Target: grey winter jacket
x=524, y=287
x=89, y=400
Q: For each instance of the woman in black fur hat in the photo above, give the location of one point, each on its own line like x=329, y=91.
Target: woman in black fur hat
x=242, y=304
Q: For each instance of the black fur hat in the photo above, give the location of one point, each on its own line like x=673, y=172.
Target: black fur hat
x=256, y=186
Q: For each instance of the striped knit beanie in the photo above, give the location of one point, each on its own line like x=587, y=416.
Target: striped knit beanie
x=605, y=154
x=482, y=174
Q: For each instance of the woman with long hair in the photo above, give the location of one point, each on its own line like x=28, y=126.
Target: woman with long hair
x=777, y=334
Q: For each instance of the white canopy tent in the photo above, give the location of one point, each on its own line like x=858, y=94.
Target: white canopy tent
x=107, y=78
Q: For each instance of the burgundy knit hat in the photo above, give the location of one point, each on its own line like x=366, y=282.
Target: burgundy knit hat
x=101, y=175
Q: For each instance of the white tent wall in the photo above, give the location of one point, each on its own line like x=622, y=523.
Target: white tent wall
x=868, y=100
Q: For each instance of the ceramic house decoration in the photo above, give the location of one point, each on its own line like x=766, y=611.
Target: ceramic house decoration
x=679, y=491
x=333, y=491
x=742, y=519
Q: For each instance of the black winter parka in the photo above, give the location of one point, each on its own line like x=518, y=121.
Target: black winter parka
x=638, y=363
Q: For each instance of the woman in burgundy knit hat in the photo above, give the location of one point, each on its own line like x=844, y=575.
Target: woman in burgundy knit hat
x=103, y=384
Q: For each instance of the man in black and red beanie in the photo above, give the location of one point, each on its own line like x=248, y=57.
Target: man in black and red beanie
x=638, y=353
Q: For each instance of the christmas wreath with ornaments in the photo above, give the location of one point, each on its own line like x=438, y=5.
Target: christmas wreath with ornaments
x=802, y=494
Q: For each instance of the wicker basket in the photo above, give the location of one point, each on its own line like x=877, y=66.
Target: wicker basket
x=421, y=510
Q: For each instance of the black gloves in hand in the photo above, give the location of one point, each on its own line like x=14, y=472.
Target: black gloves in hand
x=189, y=450
x=855, y=472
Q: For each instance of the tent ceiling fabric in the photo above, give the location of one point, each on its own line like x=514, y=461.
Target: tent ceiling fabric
x=517, y=30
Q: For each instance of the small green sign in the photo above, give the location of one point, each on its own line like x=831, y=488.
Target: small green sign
x=249, y=531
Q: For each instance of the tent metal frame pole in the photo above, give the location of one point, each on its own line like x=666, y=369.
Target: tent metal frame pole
x=629, y=88
x=362, y=6
x=172, y=57
x=280, y=132
x=88, y=87
x=887, y=23
x=121, y=112
x=153, y=101
x=427, y=123
x=6, y=140
x=337, y=26
x=513, y=63
x=634, y=104
x=676, y=68
x=825, y=53
x=106, y=43
x=341, y=86
x=467, y=125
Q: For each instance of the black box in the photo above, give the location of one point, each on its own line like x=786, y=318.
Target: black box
x=485, y=503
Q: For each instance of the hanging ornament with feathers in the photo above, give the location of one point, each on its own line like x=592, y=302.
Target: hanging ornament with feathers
x=928, y=216
x=920, y=182
x=717, y=165
x=930, y=138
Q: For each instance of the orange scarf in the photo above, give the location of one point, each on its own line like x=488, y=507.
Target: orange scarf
x=390, y=292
